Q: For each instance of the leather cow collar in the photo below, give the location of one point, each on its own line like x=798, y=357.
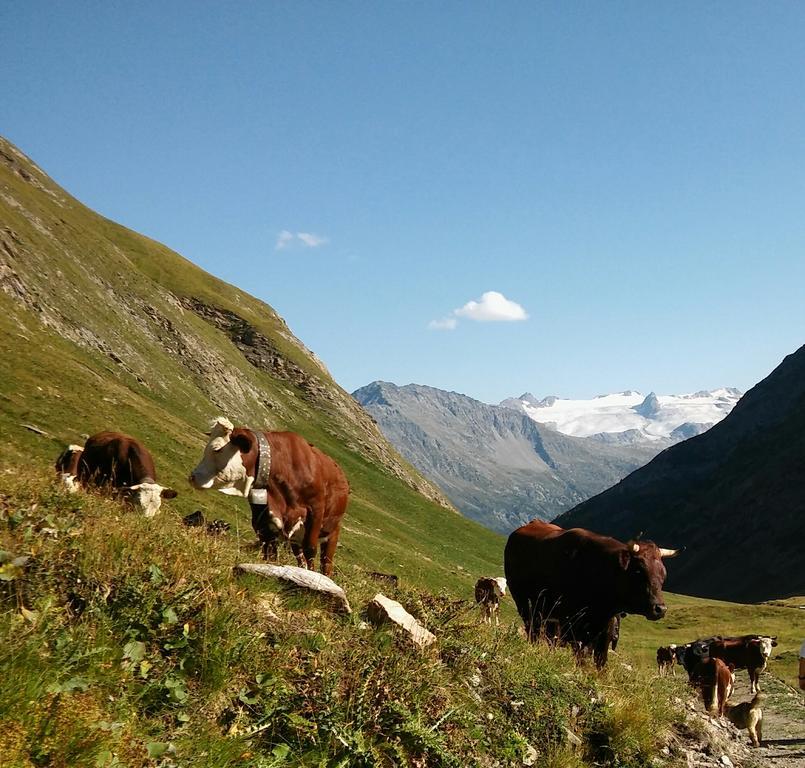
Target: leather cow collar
x=263, y=468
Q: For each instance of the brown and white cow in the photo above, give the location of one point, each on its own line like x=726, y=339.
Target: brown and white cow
x=578, y=580
x=67, y=467
x=488, y=591
x=117, y=461
x=749, y=652
x=715, y=680
x=666, y=659
x=296, y=492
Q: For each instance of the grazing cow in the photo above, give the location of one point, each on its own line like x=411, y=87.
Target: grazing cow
x=749, y=652
x=117, y=461
x=715, y=680
x=580, y=580
x=666, y=658
x=296, y=492
x=488, y=591
x=67, y=467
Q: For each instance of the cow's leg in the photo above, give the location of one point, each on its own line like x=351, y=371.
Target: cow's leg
x=600, y=647
x=298, y=554
x=327, y=552
x=754, y=680
x=268, y=547
x=524, y=609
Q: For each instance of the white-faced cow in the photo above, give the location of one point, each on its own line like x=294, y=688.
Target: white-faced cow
x=749, y=652
x=296, y=492
x=577, y=581
x=488, y=591
x=67, y=467
x=117, y=461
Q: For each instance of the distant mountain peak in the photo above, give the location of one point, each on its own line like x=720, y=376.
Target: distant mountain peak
x=650, y=407
x=654, y=417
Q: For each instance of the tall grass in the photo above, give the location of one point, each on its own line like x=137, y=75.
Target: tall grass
x=126, y=641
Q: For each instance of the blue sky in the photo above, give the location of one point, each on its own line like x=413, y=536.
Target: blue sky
x=631, y=176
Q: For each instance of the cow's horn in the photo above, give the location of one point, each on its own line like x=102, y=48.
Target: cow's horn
x=668, y=552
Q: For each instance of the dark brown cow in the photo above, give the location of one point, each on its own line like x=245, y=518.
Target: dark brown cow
x=117, y=461
x=578, y=581
x=666, y=659
x=749, y=652
x=714, y=678
x=296, y=492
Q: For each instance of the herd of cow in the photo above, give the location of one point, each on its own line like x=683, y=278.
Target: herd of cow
x=570, y=586
x=711, y=665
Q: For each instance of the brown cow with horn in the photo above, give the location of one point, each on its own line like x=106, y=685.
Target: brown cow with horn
x=296, y=492
x=577, y=581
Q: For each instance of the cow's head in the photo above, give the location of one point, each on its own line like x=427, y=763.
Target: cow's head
x=147, y=495
x=67, y=467
x=642, y=577
x=222, y=466
x=500, y=585
x=765, y=643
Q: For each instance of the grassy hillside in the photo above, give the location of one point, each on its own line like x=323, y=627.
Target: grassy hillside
x=103, y=328
x=129, y=642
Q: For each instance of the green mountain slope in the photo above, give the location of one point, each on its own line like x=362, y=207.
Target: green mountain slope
x=101, y=327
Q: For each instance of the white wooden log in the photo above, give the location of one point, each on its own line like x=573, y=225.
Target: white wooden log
x=312, y=580
x=382, y=609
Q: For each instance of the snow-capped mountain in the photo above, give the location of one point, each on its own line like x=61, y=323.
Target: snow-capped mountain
x=628, y=417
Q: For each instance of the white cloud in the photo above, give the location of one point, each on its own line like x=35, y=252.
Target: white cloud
x=446, y=324
x=493, y=307
x=284, y=239
x=306, y=239
x=311, y=240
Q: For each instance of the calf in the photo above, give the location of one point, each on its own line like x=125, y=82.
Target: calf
x=117, y=461
x=666, y=659
x=488, y=591
x=715, y=680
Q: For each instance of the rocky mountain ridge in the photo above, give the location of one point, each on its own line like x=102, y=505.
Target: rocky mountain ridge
x=733, y=496
x=498, y=466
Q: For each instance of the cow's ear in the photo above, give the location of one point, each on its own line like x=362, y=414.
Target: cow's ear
x=624, y=556
x=242, y=440
x=168, y=493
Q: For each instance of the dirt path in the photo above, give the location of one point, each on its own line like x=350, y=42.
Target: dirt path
x=783, y=722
